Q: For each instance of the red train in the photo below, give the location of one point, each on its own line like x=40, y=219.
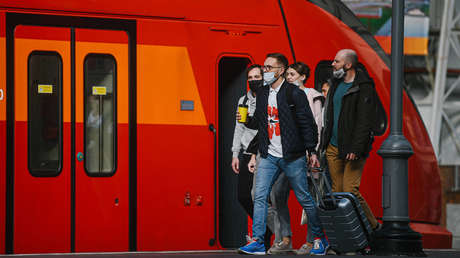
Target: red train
x=116, y=119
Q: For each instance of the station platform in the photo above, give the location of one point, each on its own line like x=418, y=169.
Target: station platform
x=444, y=253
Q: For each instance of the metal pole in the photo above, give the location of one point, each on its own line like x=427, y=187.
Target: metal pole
x=396, y=237
x=440, y=78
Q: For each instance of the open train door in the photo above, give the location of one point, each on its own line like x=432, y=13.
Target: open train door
x=102, y=141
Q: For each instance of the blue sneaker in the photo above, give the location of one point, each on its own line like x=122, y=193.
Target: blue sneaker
x=320, y=246
x=252, y=247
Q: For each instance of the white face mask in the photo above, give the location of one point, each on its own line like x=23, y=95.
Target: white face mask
x=297, y=83
x=339, y=73
x=269, y=77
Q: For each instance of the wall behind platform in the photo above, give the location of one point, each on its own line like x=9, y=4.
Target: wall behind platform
x=451, y=203
x=453, y=223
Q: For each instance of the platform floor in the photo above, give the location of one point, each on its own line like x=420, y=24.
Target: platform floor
x=189, y=254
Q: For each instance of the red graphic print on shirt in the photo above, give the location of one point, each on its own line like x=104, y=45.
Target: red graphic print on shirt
x=273, y=122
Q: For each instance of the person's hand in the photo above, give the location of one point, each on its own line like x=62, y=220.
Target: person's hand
x=236, y=165
x=351, y=156
x=238, y=116
x=252, y=164
x=313, y=161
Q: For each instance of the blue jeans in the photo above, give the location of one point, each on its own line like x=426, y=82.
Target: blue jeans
x=296, y=171
x=279, y=197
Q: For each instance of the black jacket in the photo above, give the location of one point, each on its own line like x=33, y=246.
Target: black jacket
x=297, y=125
x=355, y=118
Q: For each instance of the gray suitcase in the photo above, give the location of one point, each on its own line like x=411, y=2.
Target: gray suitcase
x=343, y=220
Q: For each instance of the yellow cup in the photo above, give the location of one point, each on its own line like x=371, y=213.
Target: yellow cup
x=243, y=110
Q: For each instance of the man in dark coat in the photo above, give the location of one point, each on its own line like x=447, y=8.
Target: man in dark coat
x=347, y=136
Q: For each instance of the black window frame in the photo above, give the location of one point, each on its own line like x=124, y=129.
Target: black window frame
x=60, y=98
x=115, y=115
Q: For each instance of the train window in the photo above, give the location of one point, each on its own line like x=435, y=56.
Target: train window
x=100, y=114
x=44, y=113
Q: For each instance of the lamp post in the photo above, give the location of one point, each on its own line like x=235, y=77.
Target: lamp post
x=396, y=237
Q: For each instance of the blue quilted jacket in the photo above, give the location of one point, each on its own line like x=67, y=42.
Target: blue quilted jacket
x=297, y=125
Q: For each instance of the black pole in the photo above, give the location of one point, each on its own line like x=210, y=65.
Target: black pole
x=396, y=237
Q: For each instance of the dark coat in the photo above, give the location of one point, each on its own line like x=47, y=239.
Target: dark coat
x=355, y=121
x=297, y=125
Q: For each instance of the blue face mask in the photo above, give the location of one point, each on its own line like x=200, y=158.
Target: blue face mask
x=269, y=77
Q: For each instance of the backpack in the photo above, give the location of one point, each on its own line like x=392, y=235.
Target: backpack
x=380, y=122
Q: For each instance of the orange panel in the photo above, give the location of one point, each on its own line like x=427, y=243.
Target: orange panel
x=412, y=45
x=22, y=53
x=165, y=77
x=119, y=52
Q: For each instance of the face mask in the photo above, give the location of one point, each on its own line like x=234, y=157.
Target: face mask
x=255, y=85
x=269, y=77
x=339, y=73
x=297, y=83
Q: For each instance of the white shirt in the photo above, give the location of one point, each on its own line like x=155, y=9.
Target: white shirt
x=274, y=130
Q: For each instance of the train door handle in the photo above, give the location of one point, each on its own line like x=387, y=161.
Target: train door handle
x=80, y=156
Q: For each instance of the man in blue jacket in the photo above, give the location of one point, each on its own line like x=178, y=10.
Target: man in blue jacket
x=287, y=134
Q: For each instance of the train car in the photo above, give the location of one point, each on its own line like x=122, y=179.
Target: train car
x=116, y=120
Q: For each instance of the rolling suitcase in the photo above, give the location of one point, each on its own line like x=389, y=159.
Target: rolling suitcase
x=343, y=219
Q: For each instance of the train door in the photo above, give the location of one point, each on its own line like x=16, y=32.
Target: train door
x=42, y=140
x=233, y=219
x=102, y=141
x=54, y=209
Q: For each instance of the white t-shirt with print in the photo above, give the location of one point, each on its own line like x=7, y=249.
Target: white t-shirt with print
x=274, y=130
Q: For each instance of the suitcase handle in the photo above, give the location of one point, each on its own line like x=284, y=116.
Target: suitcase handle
x=321, y=172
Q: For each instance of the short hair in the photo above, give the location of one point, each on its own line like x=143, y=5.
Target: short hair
x=254, y=66
x=280, y=58
x=351, y=56
x=302, y=69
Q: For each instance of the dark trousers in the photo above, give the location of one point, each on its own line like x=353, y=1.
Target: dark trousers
x=245, y=181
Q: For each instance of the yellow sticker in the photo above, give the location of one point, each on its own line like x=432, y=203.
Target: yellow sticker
x=45, y=88
x=99, y=90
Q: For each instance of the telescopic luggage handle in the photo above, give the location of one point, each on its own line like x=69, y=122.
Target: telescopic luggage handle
x=320, y=170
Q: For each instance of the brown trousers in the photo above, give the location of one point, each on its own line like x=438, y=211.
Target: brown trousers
x=346, y=177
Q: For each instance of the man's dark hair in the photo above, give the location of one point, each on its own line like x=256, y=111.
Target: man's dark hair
x=302, y=69
x=280, y=58
x=254, y=66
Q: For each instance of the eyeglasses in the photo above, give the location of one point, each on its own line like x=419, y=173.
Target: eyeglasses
x=269, y=67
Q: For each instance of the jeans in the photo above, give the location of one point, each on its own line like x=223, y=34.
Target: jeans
x=296, y=171
x=280, y=196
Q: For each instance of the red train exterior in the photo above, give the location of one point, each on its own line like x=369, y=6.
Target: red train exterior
x=163, y=191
